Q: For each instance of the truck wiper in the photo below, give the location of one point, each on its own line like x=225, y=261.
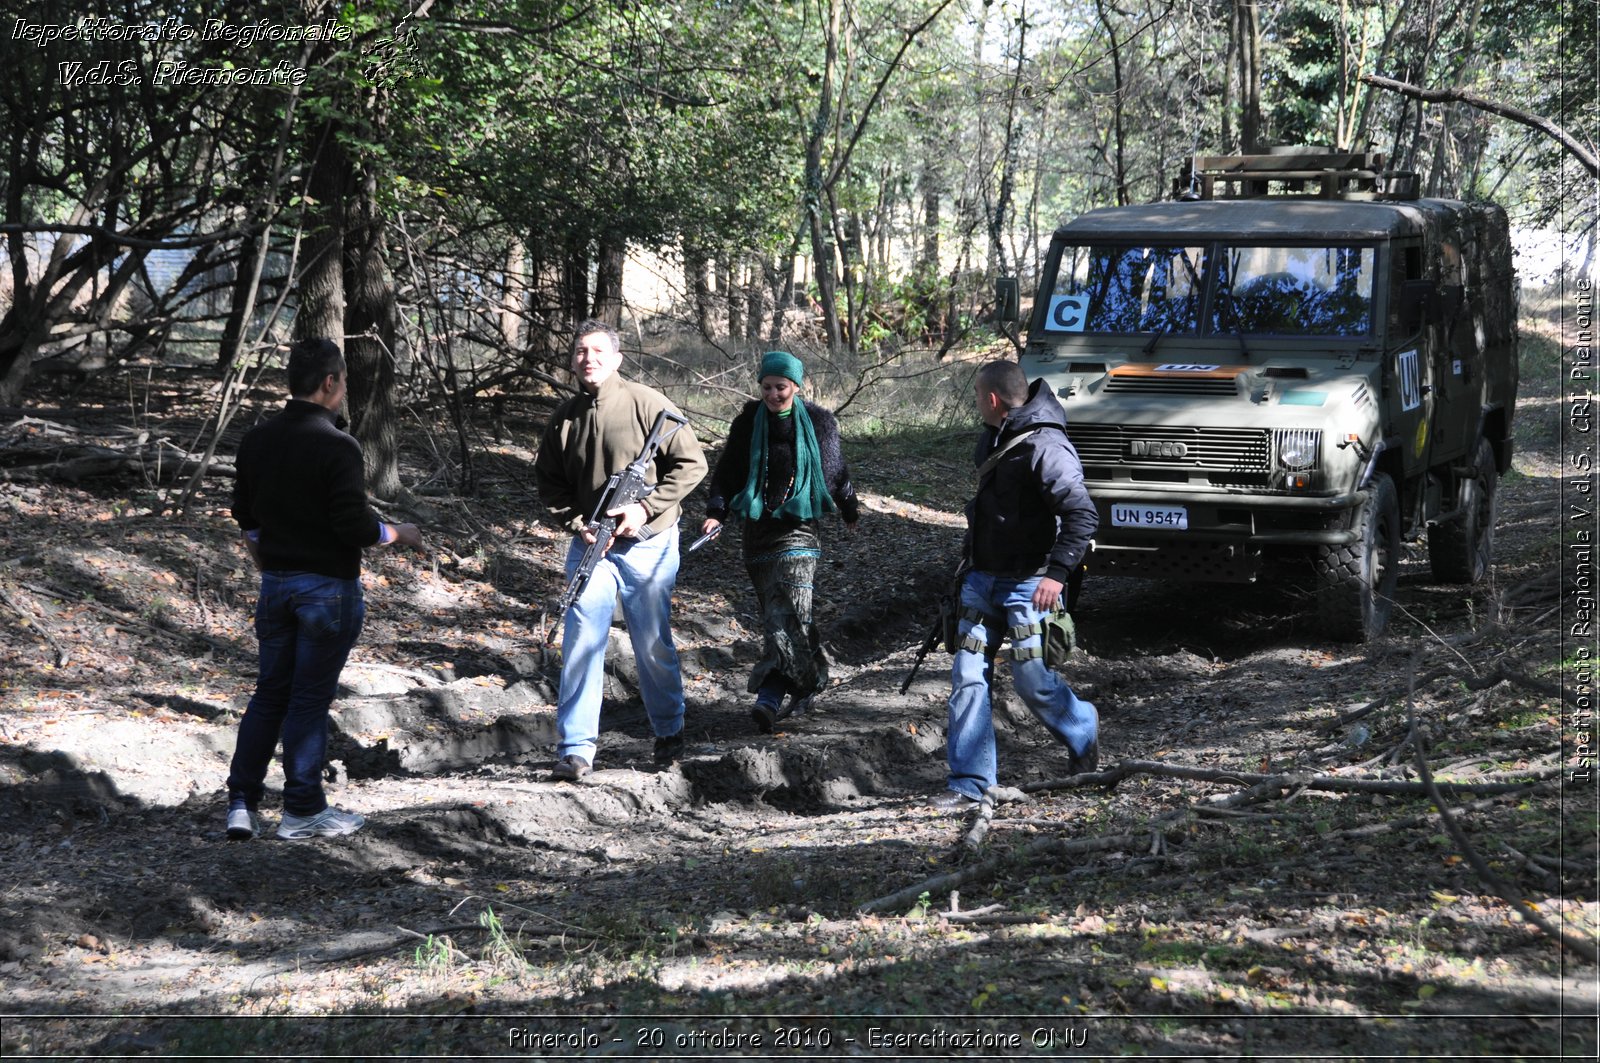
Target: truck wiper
x=1244, y=352
x=1156, y=338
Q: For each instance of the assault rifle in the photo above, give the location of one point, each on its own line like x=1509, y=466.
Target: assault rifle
x=935, y=634
x=623, y=489
x=946, y=621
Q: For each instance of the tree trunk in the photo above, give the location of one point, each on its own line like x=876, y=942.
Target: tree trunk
x=928, y=263
x=548, y=296
x=574, y=285
x=757, y=273
x=1229, y=72
x=319, y=304
x=369, y=350
x=246, y=285
x=608, y=279
x=1008, y=147
x=19, y=339
x=696, y=267
x=849, y=243
x=822, y=252
x=514, y=296
x=730, y=294
x=1249, y=77
x=780, y=281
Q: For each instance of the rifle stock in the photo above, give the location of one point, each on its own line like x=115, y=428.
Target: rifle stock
x=928, y=643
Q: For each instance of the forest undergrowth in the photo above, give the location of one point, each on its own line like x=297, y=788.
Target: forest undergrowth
x=1291, y=846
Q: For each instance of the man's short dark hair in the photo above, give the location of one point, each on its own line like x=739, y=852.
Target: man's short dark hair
x=310, y=363
x=1006, y=379
x=588, y=327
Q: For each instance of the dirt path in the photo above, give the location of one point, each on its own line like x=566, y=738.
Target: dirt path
x=492, y=904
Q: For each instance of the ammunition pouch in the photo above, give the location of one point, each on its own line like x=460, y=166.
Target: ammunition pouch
x=1059, y=636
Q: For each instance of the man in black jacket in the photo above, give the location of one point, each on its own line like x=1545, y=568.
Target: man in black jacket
x=1028, y=527
x=300, y=499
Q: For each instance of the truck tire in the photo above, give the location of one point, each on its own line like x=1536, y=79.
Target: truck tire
x=1461, y=548
x=1355, y=582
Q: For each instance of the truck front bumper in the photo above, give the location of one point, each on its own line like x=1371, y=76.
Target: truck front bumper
x=1228, y=537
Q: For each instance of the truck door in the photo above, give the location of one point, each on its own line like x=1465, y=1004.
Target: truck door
x=1458, y=352
x=1408, y=364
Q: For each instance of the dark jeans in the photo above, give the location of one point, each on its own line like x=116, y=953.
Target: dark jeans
x=305, y=625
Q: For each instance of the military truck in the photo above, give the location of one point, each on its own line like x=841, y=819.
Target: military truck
x=1289, y=369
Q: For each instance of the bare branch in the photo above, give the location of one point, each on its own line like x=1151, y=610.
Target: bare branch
x=1504, y=110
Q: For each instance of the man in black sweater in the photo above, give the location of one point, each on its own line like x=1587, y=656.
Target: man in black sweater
x=300, y=498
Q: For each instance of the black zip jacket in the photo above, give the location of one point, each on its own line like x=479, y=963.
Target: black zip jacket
x=1032, y=515
x=301, y=482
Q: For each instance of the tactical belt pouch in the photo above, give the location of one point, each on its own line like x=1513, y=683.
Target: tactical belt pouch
x=1059, y=637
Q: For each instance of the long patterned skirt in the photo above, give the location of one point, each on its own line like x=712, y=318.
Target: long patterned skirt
x=782, y=562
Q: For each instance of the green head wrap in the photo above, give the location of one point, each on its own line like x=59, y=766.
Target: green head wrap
x=808, y=496
x=784, y=364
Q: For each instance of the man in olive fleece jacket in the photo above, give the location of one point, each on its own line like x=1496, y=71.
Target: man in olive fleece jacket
x=591, y=436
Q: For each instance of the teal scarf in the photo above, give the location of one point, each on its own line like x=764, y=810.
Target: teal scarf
x=809, y=499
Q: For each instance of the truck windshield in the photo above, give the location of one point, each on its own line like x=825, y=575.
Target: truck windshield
x=1127, y=289
x=1154, y=289
x=1310, y=291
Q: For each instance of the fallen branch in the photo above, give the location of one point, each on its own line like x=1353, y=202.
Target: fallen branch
x=902, y=899
x=156, y=461
x=980, y=823
x=1001, y=918
x=1331, y=783
x=126, y=619
x=1367, y=830
x=1377, y=703
x=39, y=625
x=1509, y=893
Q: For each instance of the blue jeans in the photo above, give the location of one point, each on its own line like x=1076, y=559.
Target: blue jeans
x=305, y=626
x=643, y=572
x=1006, y=603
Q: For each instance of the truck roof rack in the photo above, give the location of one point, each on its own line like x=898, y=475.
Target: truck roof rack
x=1300, y=171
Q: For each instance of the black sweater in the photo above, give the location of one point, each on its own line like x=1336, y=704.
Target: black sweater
x=301, y=483
x=733, y=468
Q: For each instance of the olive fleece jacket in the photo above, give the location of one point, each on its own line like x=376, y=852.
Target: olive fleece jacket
x=590, y=437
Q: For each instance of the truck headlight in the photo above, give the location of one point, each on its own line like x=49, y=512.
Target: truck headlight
x=1297, y=448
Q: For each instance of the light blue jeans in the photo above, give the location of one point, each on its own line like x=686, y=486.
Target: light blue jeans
x=642, y=572
x=1006, y=603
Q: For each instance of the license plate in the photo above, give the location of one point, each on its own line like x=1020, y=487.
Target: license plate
x=1173, y=518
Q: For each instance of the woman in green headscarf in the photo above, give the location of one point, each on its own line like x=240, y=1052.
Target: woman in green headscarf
x=781, y=470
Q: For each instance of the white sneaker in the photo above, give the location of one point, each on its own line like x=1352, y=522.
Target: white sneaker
x=243, y=824
x=328, y=823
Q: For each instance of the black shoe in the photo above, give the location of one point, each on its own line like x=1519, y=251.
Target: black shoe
x=951, y=801
x=799, y=706
x=1089, y=761
x=571, y=768
x=669, y=749
x=764, y=716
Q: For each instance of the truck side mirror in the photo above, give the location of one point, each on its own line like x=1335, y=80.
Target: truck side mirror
x=1007, y=300
x=1420, y=305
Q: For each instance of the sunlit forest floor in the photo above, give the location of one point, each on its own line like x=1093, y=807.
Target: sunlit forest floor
x=1212, y=890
